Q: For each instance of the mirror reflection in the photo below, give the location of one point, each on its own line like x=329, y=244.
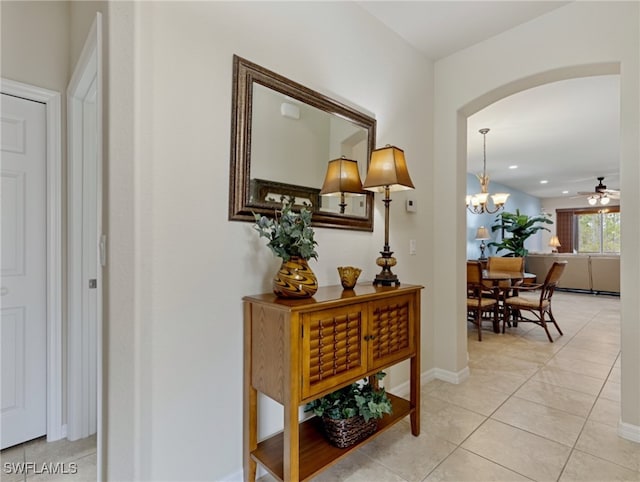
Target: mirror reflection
x=284, y=137
x=292, y=142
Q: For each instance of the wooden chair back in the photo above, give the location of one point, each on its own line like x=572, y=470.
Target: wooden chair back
x=551, y=280
x=474, y=273
x=507, y=263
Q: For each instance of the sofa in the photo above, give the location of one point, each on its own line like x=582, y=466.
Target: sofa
x=584, y=272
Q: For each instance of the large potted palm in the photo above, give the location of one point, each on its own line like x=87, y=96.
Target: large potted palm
x=516, y=229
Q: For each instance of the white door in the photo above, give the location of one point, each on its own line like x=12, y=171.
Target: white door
x=85, y=246
x=23, y=328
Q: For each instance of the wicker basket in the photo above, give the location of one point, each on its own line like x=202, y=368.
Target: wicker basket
x=346, y=432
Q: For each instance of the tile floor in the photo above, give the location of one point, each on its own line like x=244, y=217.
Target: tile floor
x=77, y=459
x=531, y=410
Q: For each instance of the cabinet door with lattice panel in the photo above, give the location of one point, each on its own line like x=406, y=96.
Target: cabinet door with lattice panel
x=333, y=348
x=391, y=333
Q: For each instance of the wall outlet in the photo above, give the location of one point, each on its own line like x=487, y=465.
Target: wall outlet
x=412, y=246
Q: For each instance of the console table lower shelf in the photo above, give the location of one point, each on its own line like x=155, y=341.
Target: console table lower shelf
x=316, y=453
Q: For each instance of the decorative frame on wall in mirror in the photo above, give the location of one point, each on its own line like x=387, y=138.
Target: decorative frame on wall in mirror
x=302, y=130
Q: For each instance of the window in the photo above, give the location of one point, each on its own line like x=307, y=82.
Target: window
x=598, y=232
x=588, y=230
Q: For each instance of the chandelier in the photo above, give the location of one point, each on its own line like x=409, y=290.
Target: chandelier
x=479, y=203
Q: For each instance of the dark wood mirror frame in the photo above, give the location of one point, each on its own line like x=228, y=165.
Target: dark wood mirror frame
x=245, y=74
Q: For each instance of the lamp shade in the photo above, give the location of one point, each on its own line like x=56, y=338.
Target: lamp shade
x=554, y=242
x=482, y=233
x=388, y=168
x=342, y=176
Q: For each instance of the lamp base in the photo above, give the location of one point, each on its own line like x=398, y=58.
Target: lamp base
x=386, y=277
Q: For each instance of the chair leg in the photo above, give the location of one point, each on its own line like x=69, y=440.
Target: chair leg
x=554, y=321
x=506, y=313
x=543, y=322
x=496, y=319
x=479, y=323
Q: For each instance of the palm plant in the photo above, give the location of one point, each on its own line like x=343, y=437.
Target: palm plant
x=519, y=227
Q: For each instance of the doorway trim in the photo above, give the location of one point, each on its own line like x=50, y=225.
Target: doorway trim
x=84, y=372
x=52, y=102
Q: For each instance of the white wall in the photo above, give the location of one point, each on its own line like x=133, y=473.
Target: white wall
x=178, y=268
x=35, y=43
x=582, y=38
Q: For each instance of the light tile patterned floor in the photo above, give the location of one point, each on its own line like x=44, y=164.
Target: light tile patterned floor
x=531, y=410
x=54, y=461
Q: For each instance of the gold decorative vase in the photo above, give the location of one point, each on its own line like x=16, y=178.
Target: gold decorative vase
x=348, y=276
x=295, y=279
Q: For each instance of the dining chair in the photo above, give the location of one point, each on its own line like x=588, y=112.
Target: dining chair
x=478, y=301
x=538, y=306
x=512, y=264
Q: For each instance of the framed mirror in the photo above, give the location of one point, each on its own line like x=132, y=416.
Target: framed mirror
x=283, y=136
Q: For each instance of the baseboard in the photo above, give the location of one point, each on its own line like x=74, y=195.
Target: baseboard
x=403, y=389
x=629, y=431
x=452, y=377
x=237, y=476
x=59, y=435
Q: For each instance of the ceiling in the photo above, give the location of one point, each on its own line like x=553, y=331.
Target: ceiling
x=566, y=132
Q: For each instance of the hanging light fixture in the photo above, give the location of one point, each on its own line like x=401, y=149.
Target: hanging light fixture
x=601, y=198
x=479, y=203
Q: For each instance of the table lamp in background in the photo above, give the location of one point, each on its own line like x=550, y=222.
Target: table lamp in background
x=554, y=242
x=482, y=234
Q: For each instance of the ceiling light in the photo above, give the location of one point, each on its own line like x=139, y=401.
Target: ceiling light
x=544, y=181
x=513, y=167
x=565, y=192
x=479, y=203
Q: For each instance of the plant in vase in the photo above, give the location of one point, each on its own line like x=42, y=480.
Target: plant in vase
x=517, y=228
x=290, y=237
x=351, y=413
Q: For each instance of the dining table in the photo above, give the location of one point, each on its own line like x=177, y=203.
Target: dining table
x=495, y=277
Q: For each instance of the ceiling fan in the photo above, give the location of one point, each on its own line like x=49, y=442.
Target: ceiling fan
x=601, y=194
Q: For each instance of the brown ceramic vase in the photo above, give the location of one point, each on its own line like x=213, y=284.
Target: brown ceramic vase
x=295, y=279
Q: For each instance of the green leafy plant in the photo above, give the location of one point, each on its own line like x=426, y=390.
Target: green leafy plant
x=353, y=400
x=289, y=233
x=519, y=228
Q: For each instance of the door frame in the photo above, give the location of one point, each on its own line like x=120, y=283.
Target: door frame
x=52, y=101
x=80, y=398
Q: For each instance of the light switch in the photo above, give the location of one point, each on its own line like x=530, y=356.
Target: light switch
x=412, y=246
x=411, y=205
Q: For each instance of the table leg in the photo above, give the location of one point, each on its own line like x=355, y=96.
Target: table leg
x=414, y=397
x=291, y=434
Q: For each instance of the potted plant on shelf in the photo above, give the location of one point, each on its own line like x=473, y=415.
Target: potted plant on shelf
x=290, y=237
x=519, y=228
x=351, y=413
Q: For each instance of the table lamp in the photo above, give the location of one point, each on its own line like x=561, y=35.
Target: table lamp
x=342, y=177
x=554, y=242
x=387, y=172
x=482, y=234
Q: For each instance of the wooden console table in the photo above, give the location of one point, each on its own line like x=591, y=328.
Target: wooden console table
x=298, y=350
